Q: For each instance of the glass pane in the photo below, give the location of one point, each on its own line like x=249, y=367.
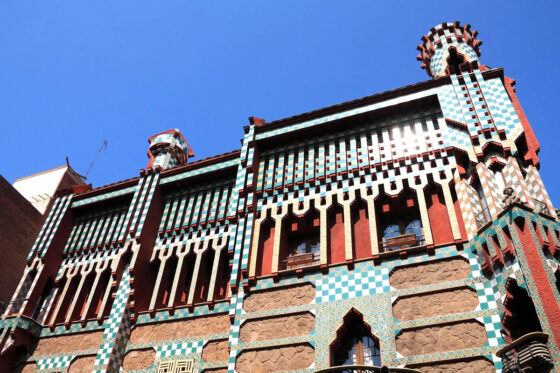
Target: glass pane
x=391, y=231
x=415, y=226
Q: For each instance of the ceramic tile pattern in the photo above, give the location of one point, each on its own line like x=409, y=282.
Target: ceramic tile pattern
x=220, y=206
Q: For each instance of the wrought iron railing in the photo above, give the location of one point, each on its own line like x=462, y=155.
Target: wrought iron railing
x=411, y=238
x=302, y=260
x=366, y=368
x=482, y=218
x=540, y=206
x=528, y=353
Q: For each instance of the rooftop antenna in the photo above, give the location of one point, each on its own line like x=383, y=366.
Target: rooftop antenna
x=103, y=146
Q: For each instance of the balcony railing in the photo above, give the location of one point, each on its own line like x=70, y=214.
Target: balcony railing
x=540, y=206
x=364, y=369
x=302, y=260
x=528, y=353
x=482, y=218
x=410, y=238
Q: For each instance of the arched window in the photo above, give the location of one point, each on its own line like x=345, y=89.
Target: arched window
x=398, y=218
x=355, y=345
x=359, y=351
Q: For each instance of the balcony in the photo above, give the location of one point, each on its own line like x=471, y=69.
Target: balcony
x=411, y=238
x=528, y=353
x=302, y=260
x=366, y=369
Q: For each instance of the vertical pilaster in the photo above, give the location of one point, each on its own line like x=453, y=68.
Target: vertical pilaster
x=427, y=230
x=117, y=330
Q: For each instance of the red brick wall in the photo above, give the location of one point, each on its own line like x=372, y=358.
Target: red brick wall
x=20, y=223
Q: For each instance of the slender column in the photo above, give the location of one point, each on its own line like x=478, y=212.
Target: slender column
x=427, y=230
x=181, y=254
x=83, y=276
x=163, y=258
x=277, y=236
x=196, y=270
x=451, y=211
x=69, y=279
x=347, y=230
x=255, y=245
x=372, y=218
x=215, y=266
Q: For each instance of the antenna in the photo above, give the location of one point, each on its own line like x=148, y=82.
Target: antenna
x=103, y=146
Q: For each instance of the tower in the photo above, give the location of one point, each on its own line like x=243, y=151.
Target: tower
x=168, y=149
x=407, y=229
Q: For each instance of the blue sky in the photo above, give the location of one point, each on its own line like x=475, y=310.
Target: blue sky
x=75, y=73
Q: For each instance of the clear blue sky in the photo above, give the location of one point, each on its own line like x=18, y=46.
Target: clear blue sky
x=73, y=73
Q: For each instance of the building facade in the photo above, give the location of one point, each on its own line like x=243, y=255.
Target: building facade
x=405, y=229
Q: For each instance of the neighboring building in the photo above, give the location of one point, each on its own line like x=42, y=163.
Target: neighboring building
x=23, y=209
x=40, y=188
x=24, y=223
x=375, y=232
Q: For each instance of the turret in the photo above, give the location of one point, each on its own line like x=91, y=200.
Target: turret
x=449, y=48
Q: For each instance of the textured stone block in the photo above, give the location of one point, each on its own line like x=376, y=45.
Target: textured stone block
x=216, y=351
x=441, y=338
x=435, y=304
x=277, y=327
x=67, y=343
x=279, y=298
x=139, y=359
x=82, y=364
x=180, y=329
x=430, y=273
x=276, y=359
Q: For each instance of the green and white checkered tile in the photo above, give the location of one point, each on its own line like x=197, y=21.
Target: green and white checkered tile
x=346, y=285
x=487, y=297
x=54, y=362
x=117, y=329
x=493, y=325
x=179, y=349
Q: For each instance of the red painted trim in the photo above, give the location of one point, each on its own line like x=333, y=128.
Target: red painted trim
x=532, y=142
x=540, y=278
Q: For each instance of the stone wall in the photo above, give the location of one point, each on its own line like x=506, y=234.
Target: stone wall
x=435, y=304
x=441, y=338
x=216, y=351
x=67, y=343
x=193, y=327
x=82, y=364
x=275, y=359
x=139, y=359
x=280, y=298
x=277, y=327
x=429, y=273
x=478, y=365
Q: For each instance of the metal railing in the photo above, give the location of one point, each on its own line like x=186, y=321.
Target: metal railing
x=528, y=353
x=366, y=368
x=403, y=241
x=482, y=218
x=540, y=206
x=302, y=260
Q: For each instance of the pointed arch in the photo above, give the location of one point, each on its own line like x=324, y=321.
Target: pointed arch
x=354, y=343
